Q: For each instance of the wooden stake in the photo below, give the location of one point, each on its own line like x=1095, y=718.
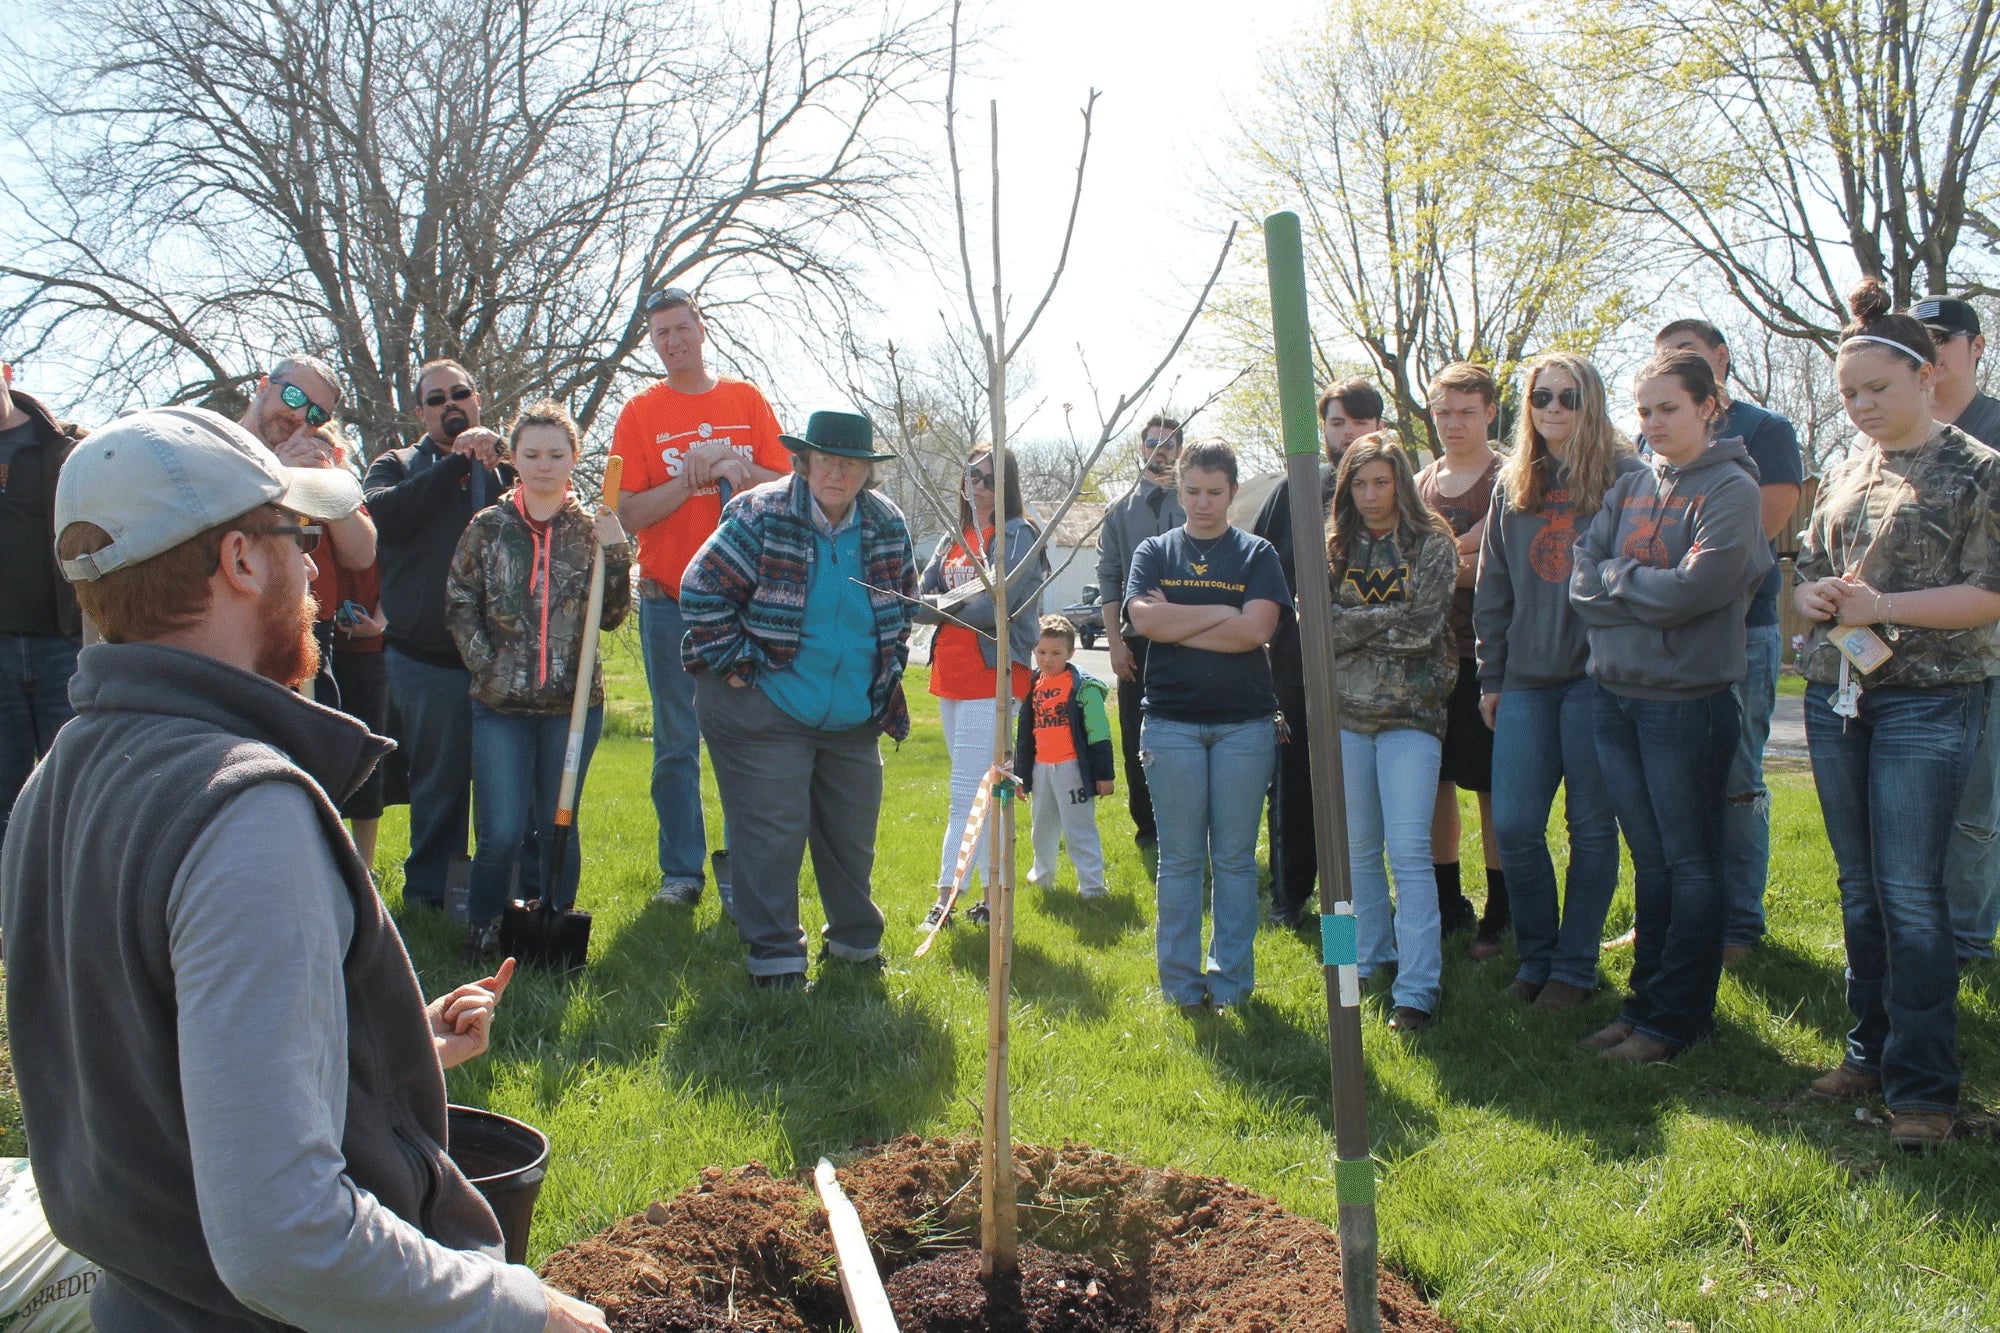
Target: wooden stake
x=860, y=1281
x=1354, y=1168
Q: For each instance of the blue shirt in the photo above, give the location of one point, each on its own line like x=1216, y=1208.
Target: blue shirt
x=1198, y=684
x=826, y=686
x=1774, y=448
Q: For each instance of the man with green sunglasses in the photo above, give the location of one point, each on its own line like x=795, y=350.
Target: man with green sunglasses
x=290, y=413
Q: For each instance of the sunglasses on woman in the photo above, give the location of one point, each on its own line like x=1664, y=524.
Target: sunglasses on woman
x=1570, y=399
x=979, y=476
x=295, y=398
x=457, y=395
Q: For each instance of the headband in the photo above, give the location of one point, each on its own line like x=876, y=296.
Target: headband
x=1910, y=352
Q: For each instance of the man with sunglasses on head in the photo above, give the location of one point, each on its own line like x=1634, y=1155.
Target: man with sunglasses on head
x=1972, y=857
x=422, y=497
x=292, y=412
x=235, y=1095
x=688, y=441
x=1151, y=507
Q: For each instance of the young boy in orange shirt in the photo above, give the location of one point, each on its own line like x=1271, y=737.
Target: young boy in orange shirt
x=1063, y=754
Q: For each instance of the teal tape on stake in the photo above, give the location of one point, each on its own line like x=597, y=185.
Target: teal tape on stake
x=1339, y=941
x=1354, y=1182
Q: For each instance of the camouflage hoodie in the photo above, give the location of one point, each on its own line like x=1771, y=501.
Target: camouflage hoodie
x=1396, y=660
x=519, y=639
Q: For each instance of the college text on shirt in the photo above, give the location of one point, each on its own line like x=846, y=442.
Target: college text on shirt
x=677, y=443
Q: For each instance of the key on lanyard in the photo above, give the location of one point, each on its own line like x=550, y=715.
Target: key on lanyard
x=1847, y=698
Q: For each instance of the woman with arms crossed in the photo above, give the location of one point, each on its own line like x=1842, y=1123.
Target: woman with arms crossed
x=1663, y=577
x=1208, y=597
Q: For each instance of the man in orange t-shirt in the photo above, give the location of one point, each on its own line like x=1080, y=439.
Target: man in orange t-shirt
x=688, y=443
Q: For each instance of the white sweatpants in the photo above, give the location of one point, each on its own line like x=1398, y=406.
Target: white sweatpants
x=1065, y=810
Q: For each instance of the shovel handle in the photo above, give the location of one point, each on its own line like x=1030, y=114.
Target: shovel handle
x=586, y=664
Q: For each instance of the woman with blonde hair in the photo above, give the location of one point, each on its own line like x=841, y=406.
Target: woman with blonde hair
x=1394, y=565
x=1534, y=691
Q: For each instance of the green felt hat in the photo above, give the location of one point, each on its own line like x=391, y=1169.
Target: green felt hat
x=845, y=434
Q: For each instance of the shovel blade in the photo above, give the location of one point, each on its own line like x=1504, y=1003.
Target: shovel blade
x=556, y=940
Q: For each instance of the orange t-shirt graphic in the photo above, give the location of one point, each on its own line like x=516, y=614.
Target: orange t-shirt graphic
x=1549, y=554
x=1054, y=742
x=656, y=429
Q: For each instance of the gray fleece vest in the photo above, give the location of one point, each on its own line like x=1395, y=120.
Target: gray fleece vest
x=162, y=739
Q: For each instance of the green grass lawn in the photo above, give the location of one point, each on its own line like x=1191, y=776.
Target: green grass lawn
x=1524, y=1186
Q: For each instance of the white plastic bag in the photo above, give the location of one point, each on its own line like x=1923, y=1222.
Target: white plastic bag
x=44, y=1288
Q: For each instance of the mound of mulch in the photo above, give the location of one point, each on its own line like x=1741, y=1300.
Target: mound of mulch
x=1108, y=1246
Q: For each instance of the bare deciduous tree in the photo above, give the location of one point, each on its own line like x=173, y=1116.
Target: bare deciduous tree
x=496, y=182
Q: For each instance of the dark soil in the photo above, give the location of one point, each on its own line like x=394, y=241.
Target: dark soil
x=1052, y=1293
x=1168, y=1252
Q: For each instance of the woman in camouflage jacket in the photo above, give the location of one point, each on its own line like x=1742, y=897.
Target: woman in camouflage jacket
x=515, y=601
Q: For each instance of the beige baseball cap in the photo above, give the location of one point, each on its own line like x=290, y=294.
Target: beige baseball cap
x=153, y=479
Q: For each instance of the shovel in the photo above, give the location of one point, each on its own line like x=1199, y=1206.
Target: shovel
x=538, y=933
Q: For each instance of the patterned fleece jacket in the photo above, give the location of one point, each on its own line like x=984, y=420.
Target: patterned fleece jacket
x=743, y=597
x=1394, y=655
x=515, y=600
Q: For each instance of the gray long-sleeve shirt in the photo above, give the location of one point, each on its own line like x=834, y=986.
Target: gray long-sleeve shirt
x=1145, y=511
x=259, y=923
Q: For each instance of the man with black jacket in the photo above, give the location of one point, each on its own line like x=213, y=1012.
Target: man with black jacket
x=40, y=626
x=421, y=499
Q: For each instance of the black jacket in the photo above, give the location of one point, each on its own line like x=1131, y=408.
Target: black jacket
x=421, y=499
x=59, y=438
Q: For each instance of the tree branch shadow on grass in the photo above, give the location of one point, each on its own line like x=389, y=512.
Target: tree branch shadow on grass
x=1065, y=990
x=1099, y=923
x=1290, y=1067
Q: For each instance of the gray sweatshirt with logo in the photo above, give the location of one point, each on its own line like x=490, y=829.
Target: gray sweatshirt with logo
x=1664, y=573
x=1528, y=637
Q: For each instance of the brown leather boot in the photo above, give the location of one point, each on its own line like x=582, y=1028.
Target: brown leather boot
x=1846, y=1082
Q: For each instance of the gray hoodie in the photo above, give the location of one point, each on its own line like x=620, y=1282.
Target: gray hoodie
x=1527, y=635
x=1664, y=572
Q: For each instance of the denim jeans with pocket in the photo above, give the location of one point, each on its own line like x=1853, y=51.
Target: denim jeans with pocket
x=1889, y=785
x=34, y=703
x=430, y=716
x=1972, y=859
x=1208, y=782
x=1664, y=763
x=683, y=848
x=1746, y=822
x=1389, y=775
x=1544, y=738
x=517, y=765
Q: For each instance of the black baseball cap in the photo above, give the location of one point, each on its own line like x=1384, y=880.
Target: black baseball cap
x=1946, y=316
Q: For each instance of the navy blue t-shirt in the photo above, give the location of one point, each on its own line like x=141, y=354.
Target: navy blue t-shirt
x=1774, y=448
x=1196, y=684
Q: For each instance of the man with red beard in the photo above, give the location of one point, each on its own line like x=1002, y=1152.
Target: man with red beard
x=235, y=1092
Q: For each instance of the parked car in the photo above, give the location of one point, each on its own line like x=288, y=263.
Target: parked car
x=1088, y=617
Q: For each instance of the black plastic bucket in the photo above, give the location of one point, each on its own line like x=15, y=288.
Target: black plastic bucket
x=506, y=1160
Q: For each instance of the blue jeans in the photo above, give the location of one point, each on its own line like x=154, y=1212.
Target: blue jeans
x=1208, y=784
x=1664, y=764
x=430, y=717
x=1746, y=820
x=676, y=743
x=1972, y=858
x=1389, y=777
x=1889, y=787
x=517, y=764
x=34, y=703
x=1542, y=739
